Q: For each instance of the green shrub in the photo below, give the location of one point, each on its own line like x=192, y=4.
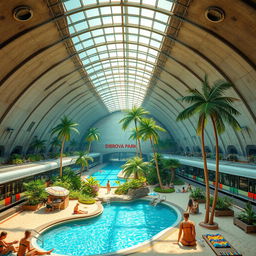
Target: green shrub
x=248, y=216
x=34, y=157
x=90, y=187
x=131, y=184
x=84, y=199
x=74, y=194
x=223, y=203
x=17, y=161
x=197, y=194
x=63, y=184
x=164, y=190
x=35, y=192
x=178, y=181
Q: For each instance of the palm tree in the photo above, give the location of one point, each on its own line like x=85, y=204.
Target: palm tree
x=134, y=166
x=171, y=164
x=134, y=136
x=211, y=104
x=55, y=143
x=63, y=131
x=83, y=160
x=134, y=115
x=148, y=130
x=38, y=145
x=92, y=135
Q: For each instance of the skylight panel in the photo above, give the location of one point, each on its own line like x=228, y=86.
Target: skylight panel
x=107, y=20
x=159, y=26
x=81, y=26
x=118, y=58
x=88, y=2
x=116, y=9
x=164, y=4
x=105, y=10
x=72, y=4
x=77, y=16
x=147, y=13
x=162, y=17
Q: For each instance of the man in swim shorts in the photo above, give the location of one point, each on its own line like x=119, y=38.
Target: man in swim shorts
x=187, y=230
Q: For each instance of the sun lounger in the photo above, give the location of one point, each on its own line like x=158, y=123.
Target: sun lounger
x=220, y=245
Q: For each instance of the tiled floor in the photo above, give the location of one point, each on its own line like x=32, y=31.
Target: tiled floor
x=244, y=243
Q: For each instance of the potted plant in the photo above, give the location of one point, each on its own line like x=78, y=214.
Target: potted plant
x=198, y=194
x=246, y=220
x=223, y=206
x=35, y=194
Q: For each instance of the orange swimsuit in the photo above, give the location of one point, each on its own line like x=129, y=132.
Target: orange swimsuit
x=188, y=237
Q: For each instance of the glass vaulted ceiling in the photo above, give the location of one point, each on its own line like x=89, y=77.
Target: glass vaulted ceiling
x=118, y=43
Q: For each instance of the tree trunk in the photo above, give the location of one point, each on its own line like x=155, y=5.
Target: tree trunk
x=61, y=153
x=157, y=167
x=215, y=197
x=173, y=175
x=135, y=122
x=136, y=176
x=81, y=170
x=89, y=147
x=206, y=177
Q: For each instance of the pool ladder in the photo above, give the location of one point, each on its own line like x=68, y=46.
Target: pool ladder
x=157, y=200
x=37, y=238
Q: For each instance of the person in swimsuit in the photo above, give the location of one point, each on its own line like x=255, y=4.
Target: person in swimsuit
x=5, y=247
x=188, y=232
x=190, y=205
x=195, y=208
x=25, y=248
x=108, y=187
x=77, y=211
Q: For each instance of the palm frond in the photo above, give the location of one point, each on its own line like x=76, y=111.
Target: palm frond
x=218, y=89
x=189, y=112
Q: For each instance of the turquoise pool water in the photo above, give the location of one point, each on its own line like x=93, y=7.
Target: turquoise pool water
x=109, y=172
x=121, y=225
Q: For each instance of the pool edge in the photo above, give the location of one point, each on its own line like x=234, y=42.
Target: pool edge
x=131, y=250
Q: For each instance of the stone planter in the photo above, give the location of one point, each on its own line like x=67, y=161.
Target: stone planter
x=137, y=193
x=27, y=207
x=244, y=226
x=219, y=213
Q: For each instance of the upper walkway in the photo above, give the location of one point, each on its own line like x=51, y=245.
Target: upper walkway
x=14, y=172
x=234, y=168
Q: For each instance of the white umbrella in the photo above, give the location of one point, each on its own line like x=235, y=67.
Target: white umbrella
x=57, y=191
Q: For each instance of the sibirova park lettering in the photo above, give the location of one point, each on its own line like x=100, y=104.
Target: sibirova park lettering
x=120, y=146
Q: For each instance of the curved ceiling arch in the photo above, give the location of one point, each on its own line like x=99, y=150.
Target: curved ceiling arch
x=161, y=80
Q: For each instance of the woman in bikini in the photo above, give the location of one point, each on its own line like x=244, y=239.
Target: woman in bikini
x=77, y=211
x=5, y=247
x=25, y=248
x=187, y=227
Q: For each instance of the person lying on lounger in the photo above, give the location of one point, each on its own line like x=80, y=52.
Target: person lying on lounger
x=188, y=232
x=25, y=248
x=77, y=211
x=5, y=247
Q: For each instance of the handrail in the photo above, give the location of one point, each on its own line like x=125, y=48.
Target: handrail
x=37, y=238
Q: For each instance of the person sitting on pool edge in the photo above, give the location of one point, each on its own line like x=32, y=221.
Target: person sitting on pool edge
x=77, y=211
x=25, y=248
x=187, y=231
x=6, y=248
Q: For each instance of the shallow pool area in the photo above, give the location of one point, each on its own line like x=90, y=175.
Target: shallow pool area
x=109, y=172
x=121, y=225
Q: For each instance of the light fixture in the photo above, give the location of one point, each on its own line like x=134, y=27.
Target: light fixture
x=22, y=13
x=214, y=14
